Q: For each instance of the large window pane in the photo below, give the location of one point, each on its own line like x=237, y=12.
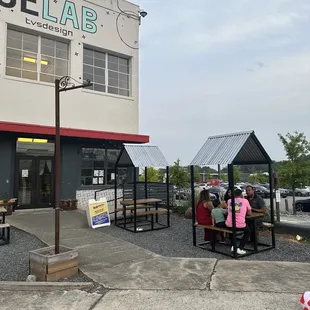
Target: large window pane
x=23, y=58
x=54, y=60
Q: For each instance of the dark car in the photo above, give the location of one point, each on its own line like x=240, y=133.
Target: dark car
x=303, y=205
x=262, y=191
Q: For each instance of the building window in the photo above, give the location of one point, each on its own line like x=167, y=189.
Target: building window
x=35, y=57
x=108, y=73
x=93, y=169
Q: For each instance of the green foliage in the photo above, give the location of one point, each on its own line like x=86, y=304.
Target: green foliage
x=237, y=172
x=295, y=171
x=258, y=178
x=152, y=175
x=161, y=176
x=178, y=175
x=197, y=176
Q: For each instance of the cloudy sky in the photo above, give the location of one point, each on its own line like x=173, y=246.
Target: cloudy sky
x=218, y=66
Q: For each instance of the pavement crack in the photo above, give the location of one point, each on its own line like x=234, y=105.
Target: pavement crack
x=212, y=274
x=96, y=302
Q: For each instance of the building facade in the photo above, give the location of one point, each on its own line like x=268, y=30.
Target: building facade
x=44, y=40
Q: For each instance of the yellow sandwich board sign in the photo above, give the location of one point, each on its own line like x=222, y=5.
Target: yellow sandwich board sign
x=98, y=213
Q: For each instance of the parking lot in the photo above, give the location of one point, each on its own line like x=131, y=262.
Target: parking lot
x=290, y=202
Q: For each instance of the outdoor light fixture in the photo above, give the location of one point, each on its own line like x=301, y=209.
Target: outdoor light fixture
x=33, y=60
x=299, y=238
x=31, y=140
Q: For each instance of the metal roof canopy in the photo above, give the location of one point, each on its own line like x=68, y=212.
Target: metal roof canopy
x=242, y=148
x=141, y=156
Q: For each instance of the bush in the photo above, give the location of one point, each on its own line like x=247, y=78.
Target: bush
x=180, y=210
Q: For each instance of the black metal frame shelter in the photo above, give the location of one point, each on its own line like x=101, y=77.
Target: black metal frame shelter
x=241, y=148
x=137, y=156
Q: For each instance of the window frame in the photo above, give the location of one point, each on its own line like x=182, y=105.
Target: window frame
x=39, y=36
x=106, y=74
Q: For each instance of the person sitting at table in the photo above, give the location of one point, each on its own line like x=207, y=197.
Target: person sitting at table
x=227, y=196
x=218, y=216
x=242, y=209
x=258, y=205
x=203, y=212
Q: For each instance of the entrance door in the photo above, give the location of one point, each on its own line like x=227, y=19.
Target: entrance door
x=34, y=181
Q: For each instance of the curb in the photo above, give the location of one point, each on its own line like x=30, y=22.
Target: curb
x=43, y=286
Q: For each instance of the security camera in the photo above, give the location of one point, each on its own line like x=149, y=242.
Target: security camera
x=143, y=13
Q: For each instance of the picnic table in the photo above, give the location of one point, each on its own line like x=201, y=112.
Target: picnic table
x=142, y=204
x=3, y=212
x=251, y=218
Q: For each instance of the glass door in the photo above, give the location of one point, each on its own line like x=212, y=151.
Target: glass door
x=44, y=182
x=25, y=180
x=35, y=177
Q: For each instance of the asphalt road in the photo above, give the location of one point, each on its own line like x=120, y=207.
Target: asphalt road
x=290, y=202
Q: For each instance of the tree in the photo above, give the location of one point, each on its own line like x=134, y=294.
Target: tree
x=237, y=172
x=161, y=176
x=152, y=175
x=178, y=175
x=197, y=176
x=258, y=178
x=294, y=172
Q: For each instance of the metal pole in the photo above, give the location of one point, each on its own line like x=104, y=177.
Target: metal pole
x=286, y=206
x=145, y=183
x=276, y=187
x=168, y=196
x=219, y=171
x=233, y=210
x=135, y=198
x=57, y=165
x=271, y=204
x=193, y=205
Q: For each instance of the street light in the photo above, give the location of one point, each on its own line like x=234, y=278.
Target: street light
x=64, y=84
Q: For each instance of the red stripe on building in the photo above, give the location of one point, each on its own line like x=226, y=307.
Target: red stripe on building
x=71, y=132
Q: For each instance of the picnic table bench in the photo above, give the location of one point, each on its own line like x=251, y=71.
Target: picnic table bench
x=4, y=228
x=149, y=205
x=227, y=230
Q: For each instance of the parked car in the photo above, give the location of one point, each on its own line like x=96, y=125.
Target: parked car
x=303, y=205
x=262, y=191
x=284, y=192
x=302, y=192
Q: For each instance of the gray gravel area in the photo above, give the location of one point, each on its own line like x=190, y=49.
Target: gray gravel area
x=14, y=256
x=14, y=260
x=176, y=241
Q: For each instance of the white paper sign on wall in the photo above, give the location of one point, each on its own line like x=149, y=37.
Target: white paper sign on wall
x=278, y=196
x=25, y=173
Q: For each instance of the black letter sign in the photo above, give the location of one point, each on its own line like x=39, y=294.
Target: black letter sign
x=9, y=4
x=24, y=7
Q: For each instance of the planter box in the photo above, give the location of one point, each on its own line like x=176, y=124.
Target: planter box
x=8, y=207
x=49, y=267
x=68, y=205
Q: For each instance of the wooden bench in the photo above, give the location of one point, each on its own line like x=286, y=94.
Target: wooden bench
x=5, y=233
x=130, y=208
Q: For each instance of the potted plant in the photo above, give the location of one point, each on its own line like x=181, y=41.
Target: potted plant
x=68, y=204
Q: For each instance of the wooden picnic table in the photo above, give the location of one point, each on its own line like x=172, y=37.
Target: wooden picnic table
x=131, y=202
x=3, y=211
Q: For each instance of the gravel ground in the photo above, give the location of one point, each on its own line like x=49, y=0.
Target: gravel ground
x=14, y=256
x=14, y=260
x=176, y=241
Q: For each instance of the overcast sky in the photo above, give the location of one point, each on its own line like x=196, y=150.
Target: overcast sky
x=209, y=67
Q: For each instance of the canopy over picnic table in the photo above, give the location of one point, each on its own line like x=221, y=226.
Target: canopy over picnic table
x=241, y=148
x=143, y=156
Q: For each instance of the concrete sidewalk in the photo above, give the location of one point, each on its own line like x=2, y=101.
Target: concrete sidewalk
x=117, y=264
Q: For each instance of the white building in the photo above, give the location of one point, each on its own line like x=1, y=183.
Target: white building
x=44, y=40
